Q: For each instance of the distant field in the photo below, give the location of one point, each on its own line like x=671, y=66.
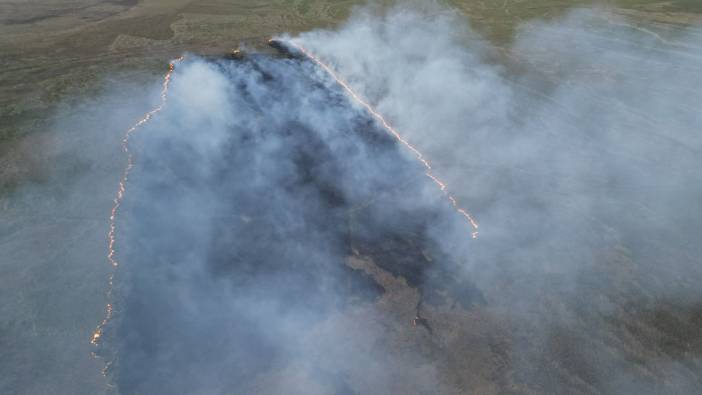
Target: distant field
x=52, y=49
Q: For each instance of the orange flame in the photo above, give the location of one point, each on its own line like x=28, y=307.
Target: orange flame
x=357, y=98
x=119, y=196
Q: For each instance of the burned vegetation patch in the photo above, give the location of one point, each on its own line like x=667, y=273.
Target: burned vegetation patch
x=240, y=217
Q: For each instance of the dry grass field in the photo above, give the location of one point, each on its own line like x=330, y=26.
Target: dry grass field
x=51, y=50
x=57, y=55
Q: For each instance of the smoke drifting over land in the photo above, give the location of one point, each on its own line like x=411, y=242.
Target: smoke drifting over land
x=579, y=159
x=253, y=189
x=275, y=239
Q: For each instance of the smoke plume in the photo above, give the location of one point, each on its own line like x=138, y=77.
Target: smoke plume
x=275, y=238
x=577, y=156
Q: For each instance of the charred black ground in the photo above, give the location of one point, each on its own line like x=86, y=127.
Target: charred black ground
x=233, y=253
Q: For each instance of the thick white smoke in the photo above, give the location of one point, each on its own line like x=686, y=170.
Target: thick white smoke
x=275, y=239
x=578, y=158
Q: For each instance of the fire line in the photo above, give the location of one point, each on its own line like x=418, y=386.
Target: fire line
x=388, y=127
x=117, y=202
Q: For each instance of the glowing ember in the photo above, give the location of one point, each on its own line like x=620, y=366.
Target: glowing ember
x=357, y=98
x=97, y=334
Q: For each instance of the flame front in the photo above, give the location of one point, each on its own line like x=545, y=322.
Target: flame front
x=379, y=117
x=119, y=196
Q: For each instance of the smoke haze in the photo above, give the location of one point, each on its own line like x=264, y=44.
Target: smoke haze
x=253, y=189
x=262, y=178
x=276, y=239
x=578, y=158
